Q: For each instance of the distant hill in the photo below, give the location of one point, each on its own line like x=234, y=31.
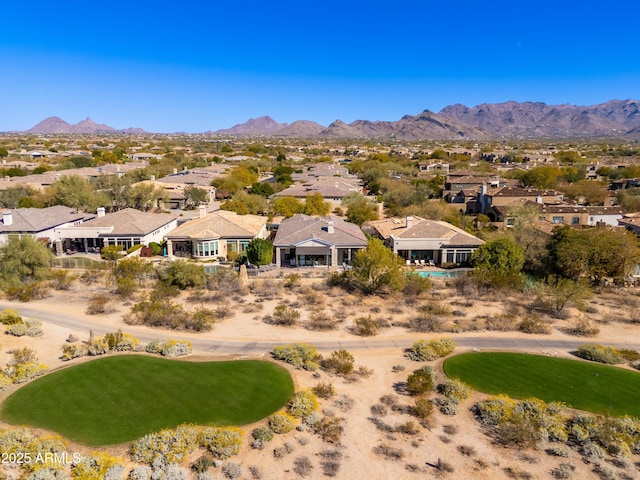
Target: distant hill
x=58, y=126
x=256, y=126
x=539, y=120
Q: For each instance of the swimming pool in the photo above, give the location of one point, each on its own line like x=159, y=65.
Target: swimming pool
x=437, y=273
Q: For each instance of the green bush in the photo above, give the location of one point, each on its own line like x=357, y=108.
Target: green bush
x=262, y=434
x=421, y=380
x=339, y=362
x=222, y=442
x=422, y=350
x=281, y=422
x=133, y=248
x=423, y=408
x=599, y=353
x=302, y=404
x=284, y=315
x=184, y=275
x=10, y=317
x=300, y=355
x=454, y=389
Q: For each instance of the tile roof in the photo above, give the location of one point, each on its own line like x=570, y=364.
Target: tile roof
x=302, y=227
x=37, y=219
x=424, y=229
x=221, y=224
x=130, y=221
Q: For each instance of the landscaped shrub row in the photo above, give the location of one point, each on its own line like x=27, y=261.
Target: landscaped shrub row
x=173, y=445
x=19, y=327
x=22, y=367
x=124, y=342
x=422, y=350
x=531, y=421
x=599, y=353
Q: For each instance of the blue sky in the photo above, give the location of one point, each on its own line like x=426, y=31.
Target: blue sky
x=169, y=66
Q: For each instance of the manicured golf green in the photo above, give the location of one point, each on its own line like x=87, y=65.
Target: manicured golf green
x=583, y=385
x=118, y=399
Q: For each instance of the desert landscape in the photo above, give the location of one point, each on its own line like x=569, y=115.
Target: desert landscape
x=380, y=437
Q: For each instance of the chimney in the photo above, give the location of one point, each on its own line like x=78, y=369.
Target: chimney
x=7, y=218
x=175, y=171
x=202, y=211
x=409, y=222
x=330, y=226
x=7, y=178
x=153, y=178
x=100, y=212
x=539, y=199
x=184, y=169
x=483, y=189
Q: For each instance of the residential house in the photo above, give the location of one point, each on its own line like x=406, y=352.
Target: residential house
x=510, y=195
x=40, y=223
x=434, y=168
x=215, y=234
x=564, y=214
x=429, y=241
x=333, y=189
x=127, y=227
x=317, y=241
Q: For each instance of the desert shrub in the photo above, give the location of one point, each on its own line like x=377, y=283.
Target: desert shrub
x=365, y=326
x=324, y=390
x=534, y=324
x=302, y=404
x=30, y=328
x=389, y=452
x=422, y=408
x=629, y=355
x=283, y=315
x=339, y=362
x=176, y=348
x=592, y=452
x=426, y=323
x=23, y=372
x=501, y=323
x=61, y=279
x=121, y=342
x=329, y=429
x=320, y=321
x=636, y=364
x=73, y=351
x=184, y=275
x=447, y=405
x=421, y=380
x=28, y=292
x=415, y=285
x=563, y=471
x=583, y=327
x=599, y=353
x=466, y=450
x=169, y=446
x=292, y=281
x=10, y=317
x=232, y=470
x=222, y=442
x=263, y=434
x=422, y=350
x=202, y=464
x=98, y=465
x=154, y=312
x=97, y=346
x=454, y=388
x=98, y=304
x=281, y=422
x=302, y=466
x=494, y=411
x=408, y=428
x=300, y=355
x=435, y=308
x=5, y=381
x=282, y=451
x=140, y=473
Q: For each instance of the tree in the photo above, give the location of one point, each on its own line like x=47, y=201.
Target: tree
x=260, y=251
x=23, y=260
x=11, y=197
x=593, y=252
x=73, y=191
x=376, y=268
x=421, y=380
x=184, y=275
x=261, y=188
x=3, y=152
x=359, y=208
x=144, y=196
x=314, y=204
x=287, y=206
x=244, y=203
x=499, y=257
x=195, y=196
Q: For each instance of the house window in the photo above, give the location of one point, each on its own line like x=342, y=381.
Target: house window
x=558, y=220
x=511, y=222
x=575, y=221
x=206, y=249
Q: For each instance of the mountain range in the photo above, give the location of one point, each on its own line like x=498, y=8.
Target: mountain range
x=509, y=120
x=59, y=126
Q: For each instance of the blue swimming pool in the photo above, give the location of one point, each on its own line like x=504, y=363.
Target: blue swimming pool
x=437, y=273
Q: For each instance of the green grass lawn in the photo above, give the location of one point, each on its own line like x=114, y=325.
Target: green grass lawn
x=118, y=399
x=582, y=385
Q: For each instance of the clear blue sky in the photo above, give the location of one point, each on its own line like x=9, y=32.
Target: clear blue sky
x=169, y=66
